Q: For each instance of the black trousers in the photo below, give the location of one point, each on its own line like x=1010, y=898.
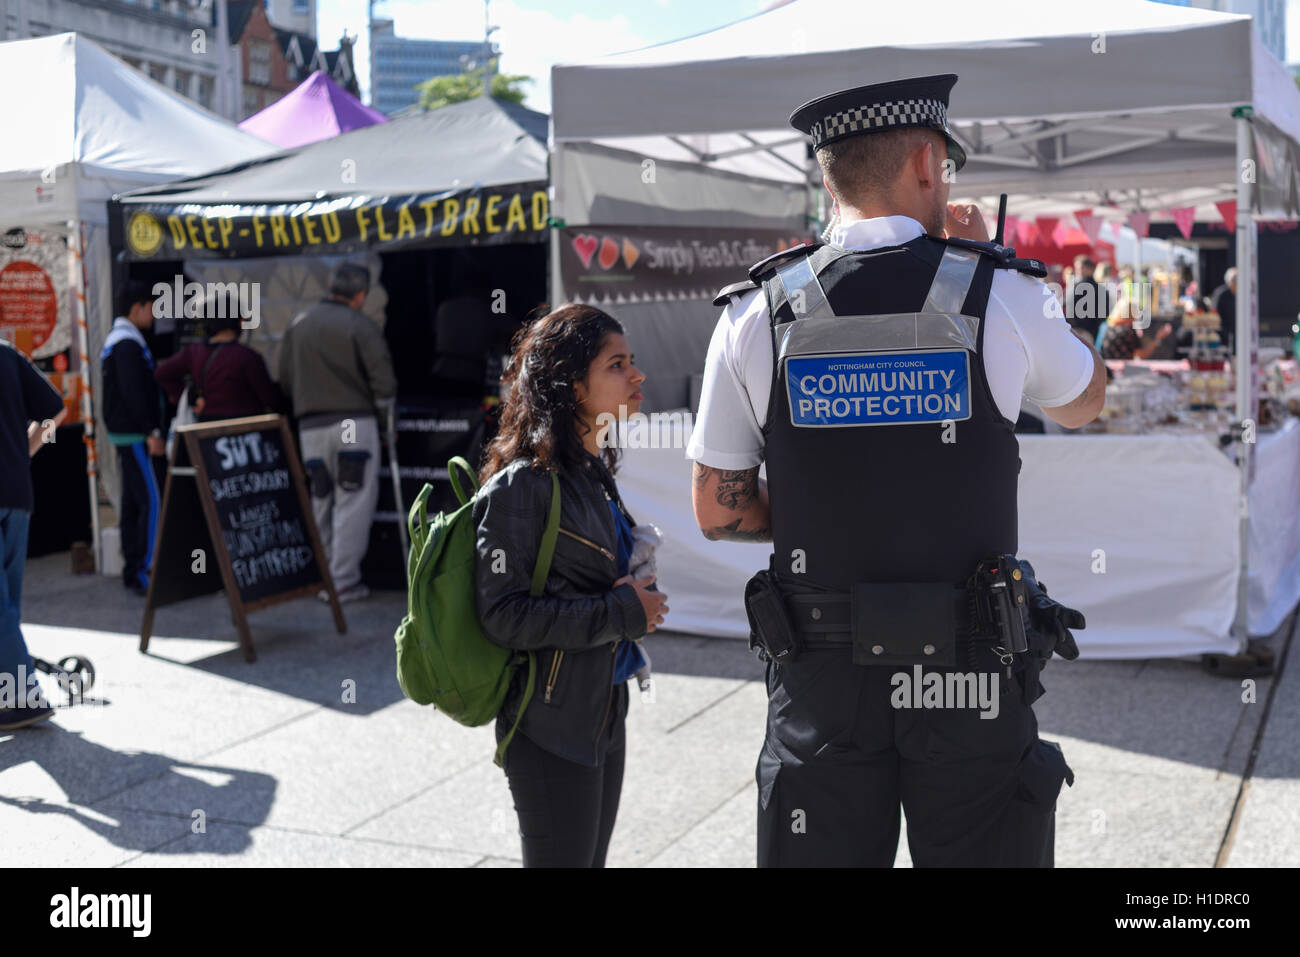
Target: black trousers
x=141, y=504
x=840, y=758
x=566, y=810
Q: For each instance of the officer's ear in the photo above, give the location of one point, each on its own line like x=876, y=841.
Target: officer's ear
x=923, y=162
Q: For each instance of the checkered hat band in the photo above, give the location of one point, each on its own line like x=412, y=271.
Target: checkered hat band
x=861, y=119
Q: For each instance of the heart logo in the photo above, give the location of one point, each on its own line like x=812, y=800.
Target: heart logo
x=630, y=253
x=608, y=253
x=584, y=246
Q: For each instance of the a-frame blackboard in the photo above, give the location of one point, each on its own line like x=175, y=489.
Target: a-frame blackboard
x=235, y=515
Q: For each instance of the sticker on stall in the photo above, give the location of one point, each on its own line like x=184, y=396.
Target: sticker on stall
x=878, y=388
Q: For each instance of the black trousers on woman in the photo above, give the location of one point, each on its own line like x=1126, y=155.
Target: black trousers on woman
x=566, y=810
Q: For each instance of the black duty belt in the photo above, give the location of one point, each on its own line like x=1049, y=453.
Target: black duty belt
x=900, y=622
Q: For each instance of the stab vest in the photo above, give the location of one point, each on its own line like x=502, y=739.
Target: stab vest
x=887, y=457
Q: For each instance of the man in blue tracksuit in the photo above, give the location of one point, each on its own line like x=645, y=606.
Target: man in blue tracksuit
x=133, y=420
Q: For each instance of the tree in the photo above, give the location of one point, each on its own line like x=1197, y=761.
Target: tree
x=457, y=87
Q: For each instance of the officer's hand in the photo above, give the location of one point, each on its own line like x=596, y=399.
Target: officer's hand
x=156, y=445
x=965, y=221
x=653, y=603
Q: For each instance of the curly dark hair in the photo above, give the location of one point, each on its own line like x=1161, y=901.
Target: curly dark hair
x=539, y=416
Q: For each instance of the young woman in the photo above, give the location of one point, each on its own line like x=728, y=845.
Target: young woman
x=565, y=763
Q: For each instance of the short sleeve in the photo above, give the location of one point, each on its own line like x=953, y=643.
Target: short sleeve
x=727, y=433
x=1058, y=365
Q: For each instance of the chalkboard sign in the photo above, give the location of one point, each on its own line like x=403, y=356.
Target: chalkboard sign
x=235, y=498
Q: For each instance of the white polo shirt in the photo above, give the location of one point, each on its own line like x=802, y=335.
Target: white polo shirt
x=1029, y=352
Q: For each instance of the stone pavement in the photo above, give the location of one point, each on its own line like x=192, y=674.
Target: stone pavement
x=282, y=771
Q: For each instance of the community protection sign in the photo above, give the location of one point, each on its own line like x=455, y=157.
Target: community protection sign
x=168, y=230
x=891, y=388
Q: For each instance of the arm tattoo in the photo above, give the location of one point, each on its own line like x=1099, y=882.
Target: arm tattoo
x=737, y=488
x=732, y=532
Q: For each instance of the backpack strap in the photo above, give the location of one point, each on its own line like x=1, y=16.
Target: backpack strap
x=540, y=571
x=203, y=376
x=418, y=517
x=552, y=532
x=454, y=463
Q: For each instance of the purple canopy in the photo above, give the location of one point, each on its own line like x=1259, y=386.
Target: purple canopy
x=316, y=110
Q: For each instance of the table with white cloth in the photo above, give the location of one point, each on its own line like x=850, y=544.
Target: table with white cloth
x=1139, y=532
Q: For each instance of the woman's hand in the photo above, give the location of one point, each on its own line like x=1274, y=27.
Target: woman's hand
x=653, y=603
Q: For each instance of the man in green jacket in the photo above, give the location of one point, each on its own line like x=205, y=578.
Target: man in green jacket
x=335, y=368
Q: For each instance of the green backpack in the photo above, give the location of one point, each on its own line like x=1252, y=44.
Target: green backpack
x=443, y=657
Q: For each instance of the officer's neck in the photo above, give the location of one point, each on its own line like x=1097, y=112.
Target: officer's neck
x=875, y=209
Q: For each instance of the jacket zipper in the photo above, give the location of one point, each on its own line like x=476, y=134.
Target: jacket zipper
x=613, y=658
x=586, y=541
x=555, y=671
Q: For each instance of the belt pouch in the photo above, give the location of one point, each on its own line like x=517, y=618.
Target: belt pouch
x=769, y=624
x=902, y=619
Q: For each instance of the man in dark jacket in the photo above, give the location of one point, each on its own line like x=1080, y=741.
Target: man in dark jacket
x=30, y=410
x=1224, y=301
x=133, y=420
x=1087, y=300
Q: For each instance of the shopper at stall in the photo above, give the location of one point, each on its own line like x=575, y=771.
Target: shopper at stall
x=565, y=762
x=1089, y=303
x=336, y=370
x=226, y=379
x=30, y=408
x=1224, y=301
x=1121, y=340
x=133, y=407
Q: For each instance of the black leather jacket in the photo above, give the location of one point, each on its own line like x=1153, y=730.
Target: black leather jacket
x=574, y=626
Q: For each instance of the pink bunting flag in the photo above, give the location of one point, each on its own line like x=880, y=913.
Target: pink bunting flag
x=1089, y=222
x=1228, y=211
x=1184, y=217
x=1046, y=227
x=1140, y=223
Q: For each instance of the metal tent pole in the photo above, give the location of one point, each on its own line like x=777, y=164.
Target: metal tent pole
x=1243, y=360
x=556, y=222
x=80, y=286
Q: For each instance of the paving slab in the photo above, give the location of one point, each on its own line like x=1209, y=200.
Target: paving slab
x=675, y=779
x=1268, y=831
x=326, y=772
x=47, y=833
x=471, y=811
x=231, y=845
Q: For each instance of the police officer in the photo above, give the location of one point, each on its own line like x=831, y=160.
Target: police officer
x=879, y=377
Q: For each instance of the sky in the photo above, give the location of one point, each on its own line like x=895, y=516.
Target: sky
x=534, y=34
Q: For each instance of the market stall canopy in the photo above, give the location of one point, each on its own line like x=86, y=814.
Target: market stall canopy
x=80, y=124
x=1091, y=98
x=464, y=174
x=316, y=109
